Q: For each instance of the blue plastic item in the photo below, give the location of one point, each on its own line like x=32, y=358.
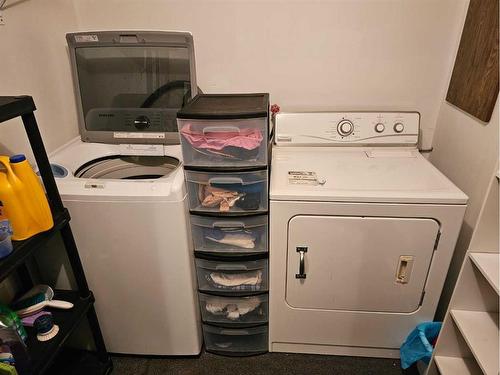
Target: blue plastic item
x=417, y=345
x=58, y=170
x=17, y=158
x=5, y=245
x=5, y=238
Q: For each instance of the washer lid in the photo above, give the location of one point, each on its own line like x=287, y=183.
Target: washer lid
x=386, y=174
x=130, y=84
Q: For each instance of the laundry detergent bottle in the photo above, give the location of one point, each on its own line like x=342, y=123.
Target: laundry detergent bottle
x=23, y=198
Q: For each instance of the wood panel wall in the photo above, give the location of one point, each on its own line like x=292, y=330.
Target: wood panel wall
x=474, y=82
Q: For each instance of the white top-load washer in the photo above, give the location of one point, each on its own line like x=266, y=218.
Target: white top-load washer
x=362, y=231
x=123, y=185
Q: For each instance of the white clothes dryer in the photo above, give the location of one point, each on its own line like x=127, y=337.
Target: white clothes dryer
x=362, y=231
x=123, y=185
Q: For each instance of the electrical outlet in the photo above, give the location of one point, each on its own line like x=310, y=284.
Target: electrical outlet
x=2, y=18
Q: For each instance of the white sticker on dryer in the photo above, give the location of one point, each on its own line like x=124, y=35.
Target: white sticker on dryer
x=304, y=178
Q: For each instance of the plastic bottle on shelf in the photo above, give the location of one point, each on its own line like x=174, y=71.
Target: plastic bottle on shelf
x=24, y=198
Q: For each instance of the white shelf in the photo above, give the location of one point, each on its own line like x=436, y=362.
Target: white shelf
x=469, y=339
x=457, y=366
x=480, y=331
x=488, y=264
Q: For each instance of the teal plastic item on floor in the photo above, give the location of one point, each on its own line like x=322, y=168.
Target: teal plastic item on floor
x=417, y=346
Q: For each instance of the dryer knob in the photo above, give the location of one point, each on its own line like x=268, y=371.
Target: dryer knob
x=142, y=122
x=399, y=127
x=379, y=128
x=345, y=128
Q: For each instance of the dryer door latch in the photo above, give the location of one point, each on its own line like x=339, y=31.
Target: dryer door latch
x=405, y=266
x=302, y=274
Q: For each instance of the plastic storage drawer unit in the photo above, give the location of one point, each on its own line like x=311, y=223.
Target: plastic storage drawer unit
x=234, y=311
x=225, y=131
x=235, y=342
x=235, y=193
x=232, y=277
x=231, y=236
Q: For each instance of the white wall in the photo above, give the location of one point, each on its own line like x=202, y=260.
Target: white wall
x=466, y=150
x=310, y=55
x=33, y=61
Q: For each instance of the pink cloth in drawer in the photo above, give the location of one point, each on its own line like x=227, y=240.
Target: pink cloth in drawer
x=248, y=139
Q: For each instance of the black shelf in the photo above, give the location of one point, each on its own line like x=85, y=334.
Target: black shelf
x=24, y=249
x=43, y=353
x=15, y=106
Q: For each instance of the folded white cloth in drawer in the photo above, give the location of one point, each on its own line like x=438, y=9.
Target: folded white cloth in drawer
x=252, y=278
x=233, y=311
x=240, y=239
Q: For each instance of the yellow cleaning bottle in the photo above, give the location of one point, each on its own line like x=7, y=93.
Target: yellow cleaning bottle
x=23, y=198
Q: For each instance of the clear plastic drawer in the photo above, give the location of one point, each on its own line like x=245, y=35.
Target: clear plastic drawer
x=233, y=193
x=232, y=277
x=246, y=234
x=234, y=311
x=236, y=342
x=234, y=143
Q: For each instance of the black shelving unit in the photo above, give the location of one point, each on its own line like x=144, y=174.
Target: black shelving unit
x=44, y=356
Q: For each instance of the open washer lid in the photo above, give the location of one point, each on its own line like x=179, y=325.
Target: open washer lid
x=130, y=84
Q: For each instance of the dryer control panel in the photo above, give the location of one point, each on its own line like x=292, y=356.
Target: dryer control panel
x=347, y=129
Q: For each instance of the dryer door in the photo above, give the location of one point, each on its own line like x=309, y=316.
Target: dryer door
x=358, y=263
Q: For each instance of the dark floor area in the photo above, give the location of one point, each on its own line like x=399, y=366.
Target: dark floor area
x=271, y=363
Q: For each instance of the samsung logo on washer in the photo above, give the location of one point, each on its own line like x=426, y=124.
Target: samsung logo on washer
x=106, y=115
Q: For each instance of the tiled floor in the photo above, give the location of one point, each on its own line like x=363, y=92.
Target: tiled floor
x=272, y=363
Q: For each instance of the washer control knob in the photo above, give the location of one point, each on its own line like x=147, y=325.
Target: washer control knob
x=399, y=127
x=142, y=122
x=345, y=128
x=379, y=128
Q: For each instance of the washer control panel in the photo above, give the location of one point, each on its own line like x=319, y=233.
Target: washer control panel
x=347, y=128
